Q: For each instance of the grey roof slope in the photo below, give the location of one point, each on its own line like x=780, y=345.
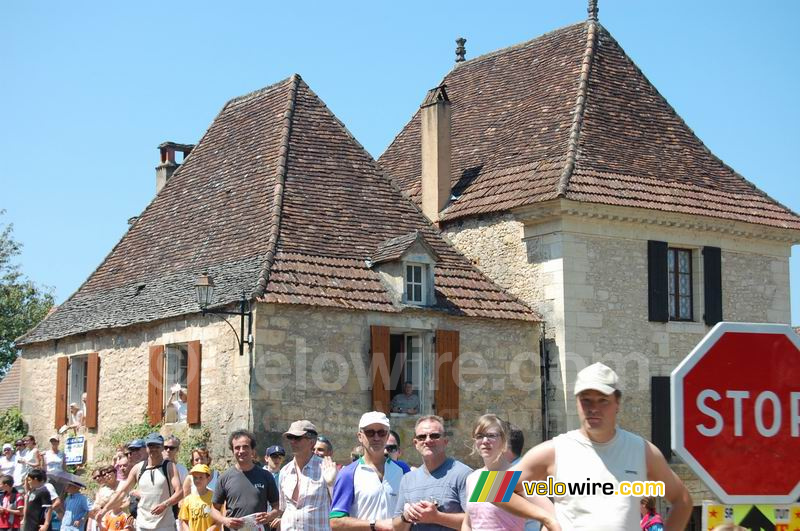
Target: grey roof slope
x=276, y=200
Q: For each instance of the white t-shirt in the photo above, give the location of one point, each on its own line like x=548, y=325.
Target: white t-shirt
x=359, y=493
x=54, y=461
x=7, y=465
x=620, y=459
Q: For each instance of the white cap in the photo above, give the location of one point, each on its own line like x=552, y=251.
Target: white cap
x=373, y=417
x=7, y=446
x=598, y=377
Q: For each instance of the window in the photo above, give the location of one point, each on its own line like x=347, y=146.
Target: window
x=679, y=274
x=77, y=379
x=175, y=369
x=415, y=284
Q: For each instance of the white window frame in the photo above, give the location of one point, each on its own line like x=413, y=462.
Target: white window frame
x=176, y=357
x=418, y=355
x=410, y=283
x=78, y=379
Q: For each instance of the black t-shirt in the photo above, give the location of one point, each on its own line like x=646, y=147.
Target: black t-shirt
x=246, y=493
x=38, y=503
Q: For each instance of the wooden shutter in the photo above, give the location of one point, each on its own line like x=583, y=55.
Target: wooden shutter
x=712, y=282
x=193, y=367
x=658, y=288
x=155, y=385
x=447, y=376
x=62, y=374
x=660, y=414
x=379, y=350
x=92, y=388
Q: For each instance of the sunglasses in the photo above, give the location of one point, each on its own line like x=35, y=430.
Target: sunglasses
x=274, y=456
x=294, y=437
x=170, y=448
x=372, y=433
x=425, y=436
x=390, y=448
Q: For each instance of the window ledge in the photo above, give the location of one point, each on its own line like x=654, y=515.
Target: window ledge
x=687, y=327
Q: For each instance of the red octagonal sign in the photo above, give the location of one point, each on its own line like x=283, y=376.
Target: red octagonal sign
x=736, y=412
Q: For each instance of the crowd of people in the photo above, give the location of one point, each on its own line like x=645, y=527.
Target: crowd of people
x=146, y=488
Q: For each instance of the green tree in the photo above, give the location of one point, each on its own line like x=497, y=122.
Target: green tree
x=22, y=303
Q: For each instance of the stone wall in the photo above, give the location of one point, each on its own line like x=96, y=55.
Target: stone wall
x=122, y=395
x=313, y=363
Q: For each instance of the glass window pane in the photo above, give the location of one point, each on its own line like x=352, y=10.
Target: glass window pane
x=671, y=260
x=683, y=261
x=685, y=285
x=409, y=273
x=409, y=288
x=417, y=293
x=686, y=309
x=418, y=274
x=671, y=283
x=672, y=314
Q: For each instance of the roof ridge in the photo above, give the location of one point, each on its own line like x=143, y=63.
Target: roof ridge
x=277, y=193
x=580, y=107
x=489, y=55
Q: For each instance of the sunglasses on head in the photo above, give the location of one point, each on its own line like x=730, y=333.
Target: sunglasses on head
x=425, y=436
x=390, y=448
x=371, y=433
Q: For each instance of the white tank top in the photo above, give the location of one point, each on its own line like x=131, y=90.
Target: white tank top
x=620, y=459
x=153, y=490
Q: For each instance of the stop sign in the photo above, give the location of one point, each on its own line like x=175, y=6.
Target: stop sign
x=736, y=412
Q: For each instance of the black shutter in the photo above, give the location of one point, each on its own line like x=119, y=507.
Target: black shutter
x=660, y=414
x=712, y=281
x=658, y=289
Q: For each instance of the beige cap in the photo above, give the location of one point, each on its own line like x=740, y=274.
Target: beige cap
x=598, y=377
x=373, y=417
x=300, y=428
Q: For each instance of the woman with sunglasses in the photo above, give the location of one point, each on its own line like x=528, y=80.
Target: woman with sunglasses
x=8, y=461
x=490, y=440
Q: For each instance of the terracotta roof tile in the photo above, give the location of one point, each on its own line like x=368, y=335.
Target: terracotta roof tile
x=280, y=201
x=570, y=115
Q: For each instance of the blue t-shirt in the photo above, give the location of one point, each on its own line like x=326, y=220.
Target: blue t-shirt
x=447, y=485
x=359, y=493
x=76, y=507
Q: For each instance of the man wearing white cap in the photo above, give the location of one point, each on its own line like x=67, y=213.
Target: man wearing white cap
x=304, y=494
x=366, y=490
x=600, y=452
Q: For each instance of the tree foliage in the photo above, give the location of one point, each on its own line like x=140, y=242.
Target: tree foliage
x=22, y=303
x=12, y=425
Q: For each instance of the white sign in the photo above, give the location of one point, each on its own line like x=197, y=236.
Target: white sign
x=73, y=450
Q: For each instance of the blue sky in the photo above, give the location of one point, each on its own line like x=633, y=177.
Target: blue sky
x=89, y=89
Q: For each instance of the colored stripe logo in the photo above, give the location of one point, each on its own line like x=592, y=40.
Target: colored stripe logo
x=495, y=486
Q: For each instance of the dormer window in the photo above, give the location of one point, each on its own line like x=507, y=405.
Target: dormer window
x=415, y=283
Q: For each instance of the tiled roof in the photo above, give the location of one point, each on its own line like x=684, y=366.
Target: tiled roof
x=570, y=115
x=394, y=248
x=9, y=386
x=278, y=200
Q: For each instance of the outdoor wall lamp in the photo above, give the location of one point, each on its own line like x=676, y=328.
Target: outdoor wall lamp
x=205, y=293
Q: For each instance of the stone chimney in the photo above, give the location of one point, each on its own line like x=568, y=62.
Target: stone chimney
x=168, y=165
x=436, y=115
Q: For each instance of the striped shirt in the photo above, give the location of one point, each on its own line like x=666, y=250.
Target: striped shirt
x=310, y=511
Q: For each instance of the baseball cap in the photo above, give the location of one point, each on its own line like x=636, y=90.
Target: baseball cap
x=136, y=444
x=200, y=469
x=54, y=438
x=300, y=428
x=77, y=483
x=373, y=417
x=272, y=450
x=7, y=446
x=154, y=438
x=598, y=377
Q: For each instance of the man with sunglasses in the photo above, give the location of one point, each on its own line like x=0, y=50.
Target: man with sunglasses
x=366, y=490
x=434, y=496
x=305, y=495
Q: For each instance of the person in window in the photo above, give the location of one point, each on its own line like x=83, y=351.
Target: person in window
x=408, y=402
x=77, y=419
x=178, y=400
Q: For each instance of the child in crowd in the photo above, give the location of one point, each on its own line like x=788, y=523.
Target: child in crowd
x=195, y=514
x=11, y=504
x=76, y=507
x=37, y=515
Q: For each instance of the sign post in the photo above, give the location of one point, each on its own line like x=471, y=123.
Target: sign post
x=736, y=412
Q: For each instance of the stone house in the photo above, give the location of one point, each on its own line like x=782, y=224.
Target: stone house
x=352, y=291
x=572, y=183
